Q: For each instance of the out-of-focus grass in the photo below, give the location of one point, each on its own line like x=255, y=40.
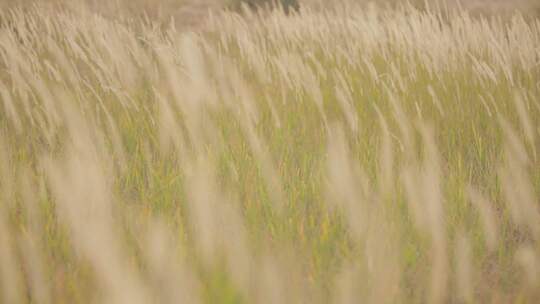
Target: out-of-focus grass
x=350, y=155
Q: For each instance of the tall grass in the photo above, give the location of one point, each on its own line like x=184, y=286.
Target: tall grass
x=351, y=155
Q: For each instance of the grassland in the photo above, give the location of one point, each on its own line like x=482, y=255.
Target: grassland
x=352, y=155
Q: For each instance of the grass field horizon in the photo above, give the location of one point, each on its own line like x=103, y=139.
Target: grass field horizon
x=359, y=154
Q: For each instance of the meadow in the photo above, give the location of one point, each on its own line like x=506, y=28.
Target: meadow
x=357, y=154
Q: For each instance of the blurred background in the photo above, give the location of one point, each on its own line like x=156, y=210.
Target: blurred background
x=193, y=12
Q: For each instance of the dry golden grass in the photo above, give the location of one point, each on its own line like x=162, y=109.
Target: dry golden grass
x=358, y=154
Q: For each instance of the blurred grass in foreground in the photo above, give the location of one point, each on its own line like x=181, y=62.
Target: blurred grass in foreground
x=350, y=155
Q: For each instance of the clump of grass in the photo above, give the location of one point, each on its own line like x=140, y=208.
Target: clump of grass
x=357, y=154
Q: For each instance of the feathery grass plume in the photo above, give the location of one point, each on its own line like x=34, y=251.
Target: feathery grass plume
x=347, y=185
x=173, y=278
x=464, y=271
x=518, y=190
x=84, y=204
x=488, y=217
x=11, y=283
